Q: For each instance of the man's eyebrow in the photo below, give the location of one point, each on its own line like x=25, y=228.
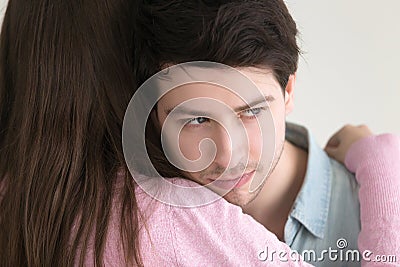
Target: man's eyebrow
x=192, y=112
x=181, y=110
x=267, y=98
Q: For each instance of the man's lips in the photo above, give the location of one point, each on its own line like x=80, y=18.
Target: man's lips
x=226, y=183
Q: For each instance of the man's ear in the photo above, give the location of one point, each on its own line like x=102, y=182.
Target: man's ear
x=289, y=94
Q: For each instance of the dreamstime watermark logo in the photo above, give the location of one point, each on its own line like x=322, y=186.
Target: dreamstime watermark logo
x=194, y=77
x=338, y=254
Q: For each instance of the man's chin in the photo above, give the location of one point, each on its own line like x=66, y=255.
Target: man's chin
x=239, y=197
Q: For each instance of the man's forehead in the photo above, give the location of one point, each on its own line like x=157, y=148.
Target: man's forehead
x=218, y=74
x=240, y=80
x=195, y=97
x=210, y=107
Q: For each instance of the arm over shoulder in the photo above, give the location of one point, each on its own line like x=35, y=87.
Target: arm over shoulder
x=376, y=162
x=217, y=234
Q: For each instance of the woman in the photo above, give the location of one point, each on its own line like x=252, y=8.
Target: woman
x=65, y=83
x=67, y=197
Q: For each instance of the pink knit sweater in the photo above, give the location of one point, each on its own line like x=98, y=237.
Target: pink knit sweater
x=219, y=234
x=376, y=162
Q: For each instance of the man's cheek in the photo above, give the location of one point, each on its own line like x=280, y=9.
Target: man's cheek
x=255, y=140
x=189, y=147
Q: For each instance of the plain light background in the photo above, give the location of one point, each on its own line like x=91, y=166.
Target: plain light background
x=349, y=72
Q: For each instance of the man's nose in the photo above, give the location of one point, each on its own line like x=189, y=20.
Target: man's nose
x=232, y=145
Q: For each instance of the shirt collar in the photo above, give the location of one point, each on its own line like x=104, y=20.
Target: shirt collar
x=311, y=206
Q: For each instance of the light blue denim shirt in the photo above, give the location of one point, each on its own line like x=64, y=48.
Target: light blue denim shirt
x=325, y=219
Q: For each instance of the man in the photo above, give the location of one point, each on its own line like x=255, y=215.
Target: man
x=307, y=199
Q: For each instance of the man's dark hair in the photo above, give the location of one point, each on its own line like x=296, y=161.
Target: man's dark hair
x=236, y=33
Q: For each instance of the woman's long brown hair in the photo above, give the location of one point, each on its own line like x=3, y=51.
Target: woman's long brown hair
x=65, y=81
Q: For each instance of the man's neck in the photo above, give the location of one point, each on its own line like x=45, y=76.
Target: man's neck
x=273, y=204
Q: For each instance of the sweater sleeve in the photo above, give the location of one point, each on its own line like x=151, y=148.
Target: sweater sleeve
x=376, y=162
x=216, y=234
x=219, y=234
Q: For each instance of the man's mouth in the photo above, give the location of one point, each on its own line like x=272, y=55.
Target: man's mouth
x=230, y=183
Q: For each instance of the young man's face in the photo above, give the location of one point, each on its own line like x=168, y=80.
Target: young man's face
x=235, y=161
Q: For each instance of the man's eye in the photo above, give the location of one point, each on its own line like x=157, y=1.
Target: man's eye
x=197, y=121
x=251, y=112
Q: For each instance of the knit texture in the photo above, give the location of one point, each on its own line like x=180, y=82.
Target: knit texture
x=376, y=162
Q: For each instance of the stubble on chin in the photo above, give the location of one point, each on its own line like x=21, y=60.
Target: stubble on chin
x=240, y=197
